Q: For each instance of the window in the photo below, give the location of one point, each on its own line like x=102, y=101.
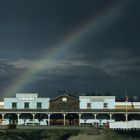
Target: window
x=64, y=99
x=26, y=105
x=39, y=105
x=105, y=105
x=88, y=105
x=14, y=105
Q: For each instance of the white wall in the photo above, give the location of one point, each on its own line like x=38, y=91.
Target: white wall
x=8, y=102
x=125, y=125
x=32, y=99
x=97, y=102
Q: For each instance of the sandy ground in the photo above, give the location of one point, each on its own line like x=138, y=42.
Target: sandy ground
x=87, y=137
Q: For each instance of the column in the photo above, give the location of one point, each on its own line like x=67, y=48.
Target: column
x=95, y=116
x=110, y=116
x=18, y=117
x=126, y=117
x=3, y=117
x=64, y=119
x=79, y=119
x=33, y=119
x=49, y=119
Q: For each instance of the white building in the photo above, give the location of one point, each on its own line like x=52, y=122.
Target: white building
x=97, y=102
x=26, y=101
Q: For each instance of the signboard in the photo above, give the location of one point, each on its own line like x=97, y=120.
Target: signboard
x=26, y=99
x=97, y=100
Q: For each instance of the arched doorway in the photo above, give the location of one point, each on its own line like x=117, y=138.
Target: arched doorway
x=12, y=117
x=103, y=118
x=133, y=117
x=72, y=119
x=42, y=118
x=56, y=119
x=26, y=119
x=119, y=117
x=87, y=118
x=1, y=119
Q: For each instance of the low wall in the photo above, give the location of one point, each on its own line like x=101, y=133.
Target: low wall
x=134, y=124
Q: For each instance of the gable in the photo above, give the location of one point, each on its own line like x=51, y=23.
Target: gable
x=64, y=97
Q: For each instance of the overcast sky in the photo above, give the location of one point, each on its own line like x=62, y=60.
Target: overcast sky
x=76, y=45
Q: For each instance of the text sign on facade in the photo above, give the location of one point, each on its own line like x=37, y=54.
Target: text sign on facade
x=26, y=99
x=97, y=100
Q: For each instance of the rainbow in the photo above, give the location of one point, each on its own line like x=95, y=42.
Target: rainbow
x=107, y=17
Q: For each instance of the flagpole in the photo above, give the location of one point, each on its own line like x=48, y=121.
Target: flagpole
x=126, y=110
x=126, y=100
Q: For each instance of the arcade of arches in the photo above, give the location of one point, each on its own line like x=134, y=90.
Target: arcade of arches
x=66, y=118
x=64, y=110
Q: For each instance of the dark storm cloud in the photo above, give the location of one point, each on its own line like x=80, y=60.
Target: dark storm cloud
x=108, y=59
x=32, y=25
x=77, y=78
x=7, y=74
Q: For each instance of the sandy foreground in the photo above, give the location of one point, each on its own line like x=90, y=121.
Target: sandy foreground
x=87, y=137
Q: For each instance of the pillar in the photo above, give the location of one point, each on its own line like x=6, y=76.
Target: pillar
x=49, y=119
x=64, y=119
x=126, y=117
x=95, y=116
x=79, y=119
x=18, y=117
x=3, y=117
x=110, y=116
x=33, y=118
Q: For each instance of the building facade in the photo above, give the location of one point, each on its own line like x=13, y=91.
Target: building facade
x=29, y=109
x=64, y=102
x=26, y=101
x=97, y=102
